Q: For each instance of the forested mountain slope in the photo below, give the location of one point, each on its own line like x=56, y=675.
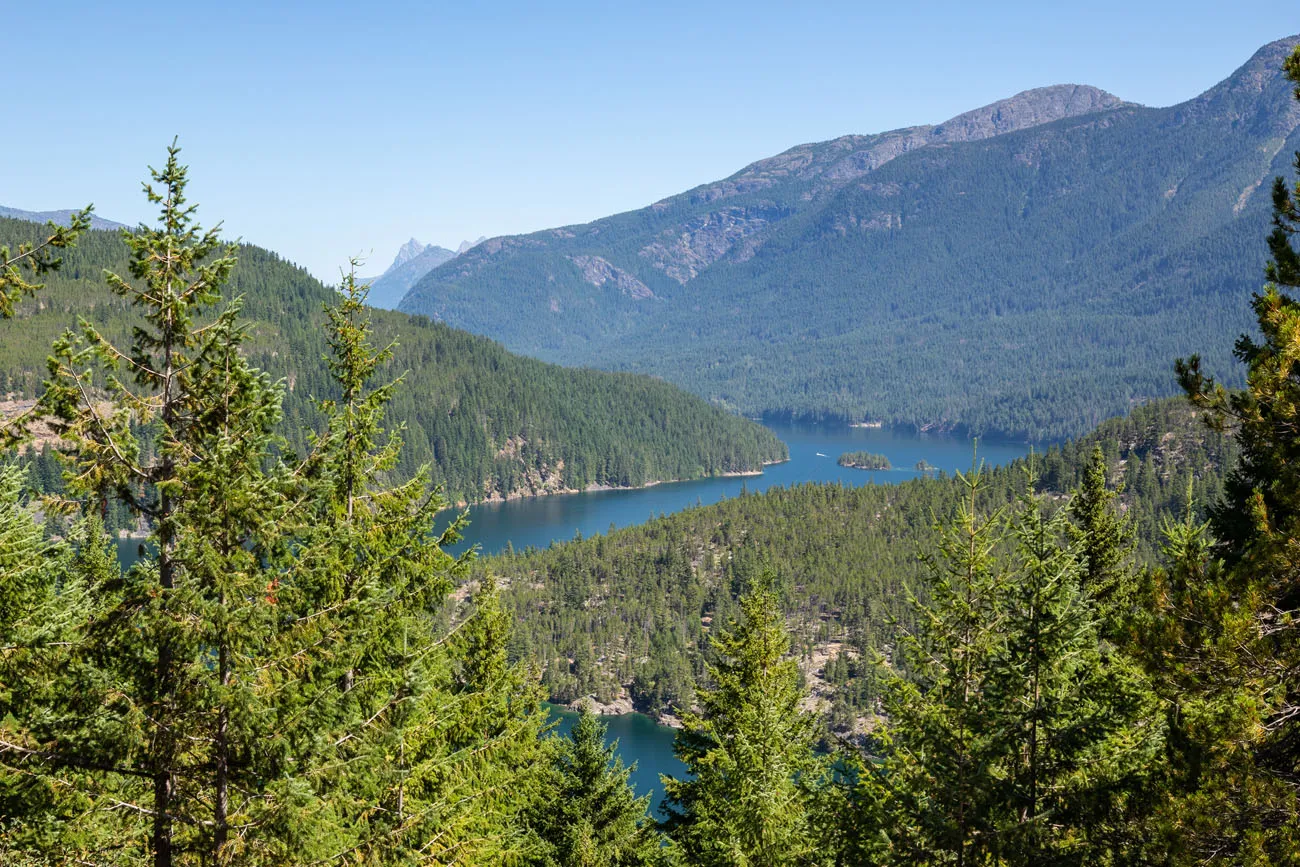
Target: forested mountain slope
x=918, y=275
x=625, y=615
x=494, y=424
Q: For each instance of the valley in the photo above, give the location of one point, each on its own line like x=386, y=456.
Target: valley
x=922, y=497
x=1090, y=239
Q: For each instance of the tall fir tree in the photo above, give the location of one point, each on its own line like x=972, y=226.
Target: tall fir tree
x=1018, y=736
x=943, y=737
x=180, y=427
x=591, y=816
x=1106, y=542
x=756, y=789
x=1078, y=725
x=1257, y=528
x=436, y=731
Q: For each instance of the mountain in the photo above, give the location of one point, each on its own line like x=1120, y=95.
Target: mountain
x=470, y=245
x=412, y=262
x=61, y=218
x=492, y=424
x=1028, y=268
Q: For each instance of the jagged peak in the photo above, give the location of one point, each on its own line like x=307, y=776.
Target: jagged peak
x=406, y=253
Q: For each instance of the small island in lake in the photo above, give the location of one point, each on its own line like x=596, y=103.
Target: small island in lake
x=865, y=461
x=925, y=466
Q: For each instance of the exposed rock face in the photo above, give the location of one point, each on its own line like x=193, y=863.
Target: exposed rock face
x=412, y=262
x=837, y=162
x=407, y=252
x=682, y=253
x=598, y=272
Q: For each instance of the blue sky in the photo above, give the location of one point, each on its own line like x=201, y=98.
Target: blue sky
x=324, y=130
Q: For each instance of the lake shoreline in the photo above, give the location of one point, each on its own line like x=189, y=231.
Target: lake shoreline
x=595, y=487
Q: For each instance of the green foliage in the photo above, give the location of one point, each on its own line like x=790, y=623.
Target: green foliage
x=489, y=424
x=1239, y=664
x=1105, y=540
x=1016, y=737
x=591, y=817
x=36, y=258
x=1090, y=251
x=752, y=799
x=631, y=609
x=864, y=461
x=281, y=679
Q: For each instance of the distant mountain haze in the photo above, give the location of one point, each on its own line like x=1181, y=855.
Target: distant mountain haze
x=61, y=218
x=1030, y=267
x=413, y=260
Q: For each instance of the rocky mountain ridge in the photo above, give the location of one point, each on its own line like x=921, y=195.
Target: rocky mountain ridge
x=914, y=275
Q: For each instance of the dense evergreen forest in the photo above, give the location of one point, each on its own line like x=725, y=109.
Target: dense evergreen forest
x=918, y=284
x=1092, y=658
x=864, y=461
x=493, y=424
x=630, y=612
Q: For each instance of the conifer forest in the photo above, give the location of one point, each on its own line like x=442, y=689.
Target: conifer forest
x=1086, y=656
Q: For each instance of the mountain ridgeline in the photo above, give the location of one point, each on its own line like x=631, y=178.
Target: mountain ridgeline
x=915, y=276
x=413, y=261
x=492, y=424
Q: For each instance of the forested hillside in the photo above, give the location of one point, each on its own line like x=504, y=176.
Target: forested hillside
x=493, y=424
x=632, y=609
x=915, y=276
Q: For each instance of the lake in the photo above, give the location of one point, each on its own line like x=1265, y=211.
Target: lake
x=814, y=450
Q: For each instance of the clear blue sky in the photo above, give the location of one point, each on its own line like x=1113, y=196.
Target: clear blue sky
x=325, y=129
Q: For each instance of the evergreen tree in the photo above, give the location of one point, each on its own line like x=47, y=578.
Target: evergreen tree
x=1077, y=722
x=171, y=701
x=591, y=817
x=1017, y=736
x=435, y=732
x=1257, y=529
x=1105, y=540
x=754, y=796
x=943, y=737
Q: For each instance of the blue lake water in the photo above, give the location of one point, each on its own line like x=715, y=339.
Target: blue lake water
x=814, y=450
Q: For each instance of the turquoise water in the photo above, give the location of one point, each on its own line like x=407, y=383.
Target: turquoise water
x=640, y=740
x=814, y=449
